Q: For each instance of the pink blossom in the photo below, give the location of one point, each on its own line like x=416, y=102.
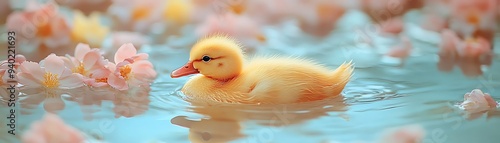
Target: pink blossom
x=471, y=16
x=127, y=51
x=135, y=15
x=241, y=27
x=5, y=67
x=477, y=101
x=87, y=6
x=469, y=55
x=5, y=10
x=318, y=17
x=51, y=129
x=40, y=25
x=50, y=74
x=405, y=134
x=473, y=47
x=90, y=64
x=131, y=69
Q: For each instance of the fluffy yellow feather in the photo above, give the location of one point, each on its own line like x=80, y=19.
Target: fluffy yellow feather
x=225, y=76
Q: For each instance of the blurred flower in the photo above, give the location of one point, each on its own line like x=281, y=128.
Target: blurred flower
x=240, y=27
x=405, y=134
x=272, y=12
x=135, y=15
x=473, y=18
x=130, y=68
x=90, y=64
x=86, y=6
x=40, y=25
x=318, y=18
x=5, y=10
x=52, y=129
x=473, y=47
x=477, y=101
x=381, y=10
x=49, y=74
x=469, y=55
x=88, y=30
x=177, y=11
x=5, y=66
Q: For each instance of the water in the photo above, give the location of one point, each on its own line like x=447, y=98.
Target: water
x=381, y=95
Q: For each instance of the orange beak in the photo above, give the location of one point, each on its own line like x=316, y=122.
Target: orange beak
x=185, y=70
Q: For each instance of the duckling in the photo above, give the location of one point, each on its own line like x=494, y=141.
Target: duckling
x=224, y=75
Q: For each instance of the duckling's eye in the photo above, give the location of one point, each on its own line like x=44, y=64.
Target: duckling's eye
x=206, y=58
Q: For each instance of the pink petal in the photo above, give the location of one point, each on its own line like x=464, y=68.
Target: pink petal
x=5, y=76
x=100, y=73
x=28, y=80
x=20, y=58
x=125, y=51
x=33, y=69
x=90, y=59
x=68, y=61
x=80, y=51
x=72, y=81
x=117, y=82
x=143, y=69
x=491, y=102
x=54, y=64
x=111, y=66
x=140, y=56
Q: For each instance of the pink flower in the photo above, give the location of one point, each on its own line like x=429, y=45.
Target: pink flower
x=50, y=74
x=477, y=101
x=5, y=67
x=131, y=69
x=90, y=64
x=51, y=129
x=405, y=134
x=241, y=27
x=136, y=15
x=40, y=25
x=474, y=47
x=319, y=17
x=469, y=55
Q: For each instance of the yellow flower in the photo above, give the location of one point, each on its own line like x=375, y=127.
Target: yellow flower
x=88, y=29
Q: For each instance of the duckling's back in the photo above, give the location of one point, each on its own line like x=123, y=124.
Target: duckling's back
x=287, y=80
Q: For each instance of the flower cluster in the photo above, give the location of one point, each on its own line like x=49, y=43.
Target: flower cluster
x=88, y=67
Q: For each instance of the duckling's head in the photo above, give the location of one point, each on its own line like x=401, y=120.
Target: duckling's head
x=218, y=57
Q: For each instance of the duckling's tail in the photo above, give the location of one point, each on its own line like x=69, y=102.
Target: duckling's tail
x=341, y=77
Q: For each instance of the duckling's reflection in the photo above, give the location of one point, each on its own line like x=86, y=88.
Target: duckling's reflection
x=224, y=121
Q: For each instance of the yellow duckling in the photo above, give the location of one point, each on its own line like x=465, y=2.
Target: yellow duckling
x=226, y=77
